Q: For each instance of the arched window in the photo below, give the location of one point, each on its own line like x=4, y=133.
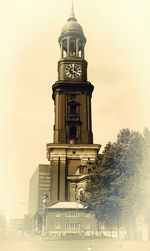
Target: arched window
x=64, y=48
x=81, y=49
x=72, y=47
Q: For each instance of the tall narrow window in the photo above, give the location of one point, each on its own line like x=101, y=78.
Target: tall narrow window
x=81, y=48
x=73, y=107
x=73, y=132
x=64, y=48
x=72, y=47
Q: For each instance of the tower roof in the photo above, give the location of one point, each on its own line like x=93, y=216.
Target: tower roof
x=72, y=26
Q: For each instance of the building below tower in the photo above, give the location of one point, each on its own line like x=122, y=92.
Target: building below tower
x=69, y=220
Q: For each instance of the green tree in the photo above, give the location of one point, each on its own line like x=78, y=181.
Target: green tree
x=113, y=188
x=130, y=163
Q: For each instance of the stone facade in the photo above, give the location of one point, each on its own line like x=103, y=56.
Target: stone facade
x=70, y=166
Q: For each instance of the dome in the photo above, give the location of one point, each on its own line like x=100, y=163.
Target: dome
x=72, y=26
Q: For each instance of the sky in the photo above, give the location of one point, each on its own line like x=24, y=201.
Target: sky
x=118, y=55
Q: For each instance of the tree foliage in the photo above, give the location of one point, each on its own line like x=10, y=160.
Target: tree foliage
x=113, y=190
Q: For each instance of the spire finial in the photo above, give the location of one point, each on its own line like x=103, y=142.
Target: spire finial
x=72, y=15
x=72, y=10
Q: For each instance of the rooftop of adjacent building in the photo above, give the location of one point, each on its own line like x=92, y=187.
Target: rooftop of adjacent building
x=67, y=205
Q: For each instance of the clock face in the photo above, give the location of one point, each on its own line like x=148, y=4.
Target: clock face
x=73, y=70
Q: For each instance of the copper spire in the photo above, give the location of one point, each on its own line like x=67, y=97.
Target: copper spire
x=72, y=15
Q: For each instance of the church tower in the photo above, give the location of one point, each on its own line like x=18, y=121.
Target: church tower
x=72, y=149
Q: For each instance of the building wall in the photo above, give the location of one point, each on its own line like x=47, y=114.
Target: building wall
x=65, y=160
x=70, y=221
x=33, y=193
x=44, y=185
x=64, y=119
x=38, y=186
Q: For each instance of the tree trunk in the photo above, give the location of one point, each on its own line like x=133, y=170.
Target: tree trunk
x=131, y=227
x=118, y=233
x=98, y=226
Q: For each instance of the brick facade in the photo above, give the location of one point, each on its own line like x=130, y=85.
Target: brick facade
x=69, y=218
